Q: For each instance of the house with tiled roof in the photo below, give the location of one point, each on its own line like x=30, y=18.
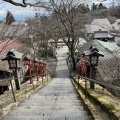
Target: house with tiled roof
x=104, y=23
x=99, y=29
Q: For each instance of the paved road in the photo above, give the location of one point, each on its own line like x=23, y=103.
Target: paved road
x=56, y=101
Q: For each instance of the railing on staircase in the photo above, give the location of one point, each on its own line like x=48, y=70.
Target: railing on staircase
x=49, y=72
x=9, y=79
x=103, y=84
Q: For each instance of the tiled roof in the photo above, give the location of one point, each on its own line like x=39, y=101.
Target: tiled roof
x=104, y=23
x=7, y=46
x=4, y=48
x=99, y=24
x=107, y=64
x=93, y=28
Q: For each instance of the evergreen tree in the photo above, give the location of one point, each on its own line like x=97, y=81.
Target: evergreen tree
x=87, y=8
x=9, y=18
x=94, y=6
x=101, y=6
x=36, y=15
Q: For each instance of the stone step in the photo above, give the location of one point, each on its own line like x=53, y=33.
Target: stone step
x=59, y=86
x=57, y=91
x=57, y=94
x=49, y=108
x=78, y=117
x=49, y=103
x=62, y=117
x=47, y=113
x=53, y=97
x=52, y=101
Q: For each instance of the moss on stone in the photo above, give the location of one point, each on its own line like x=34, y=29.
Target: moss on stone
x=82, y=84
x=110, y=106
x=89, y=91
x=102, y=100
x=97, y=97
x=116, y=110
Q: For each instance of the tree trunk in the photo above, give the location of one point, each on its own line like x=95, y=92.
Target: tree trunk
x=73, y=58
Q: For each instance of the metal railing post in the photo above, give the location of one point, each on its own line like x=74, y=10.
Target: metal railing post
x=42, y=76
x=85, y=88
x=78, y=82
x=47, y=74
x=47, y=77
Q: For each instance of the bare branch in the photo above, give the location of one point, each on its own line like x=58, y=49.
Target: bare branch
x=23, y=4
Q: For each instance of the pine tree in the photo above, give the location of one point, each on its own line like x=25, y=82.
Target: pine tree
x=36, y=15
x=101, y=6
x=87, y=8
x=9, y=18
x=94, y=6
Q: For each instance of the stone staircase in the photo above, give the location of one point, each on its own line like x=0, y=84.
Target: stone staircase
x=56, y=101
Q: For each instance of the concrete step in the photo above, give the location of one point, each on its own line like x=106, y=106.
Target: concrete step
x=78, y=117
x=49, y=108
x=52, y=101
x=49, y=103
x=57, y=94
x=48, y=113
x=50, y=97
x=57, y=86
x=61, y=87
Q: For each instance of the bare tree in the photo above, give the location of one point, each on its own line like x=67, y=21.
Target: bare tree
x=115, y=11
x=40, y=29
x=69, y=18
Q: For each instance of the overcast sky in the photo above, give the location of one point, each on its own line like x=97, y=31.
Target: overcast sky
x=7, y=6
x=30, y=10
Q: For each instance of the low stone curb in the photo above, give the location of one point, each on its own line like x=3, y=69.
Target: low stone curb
x=7, y=106
x=109, y=108
x=91, y=110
